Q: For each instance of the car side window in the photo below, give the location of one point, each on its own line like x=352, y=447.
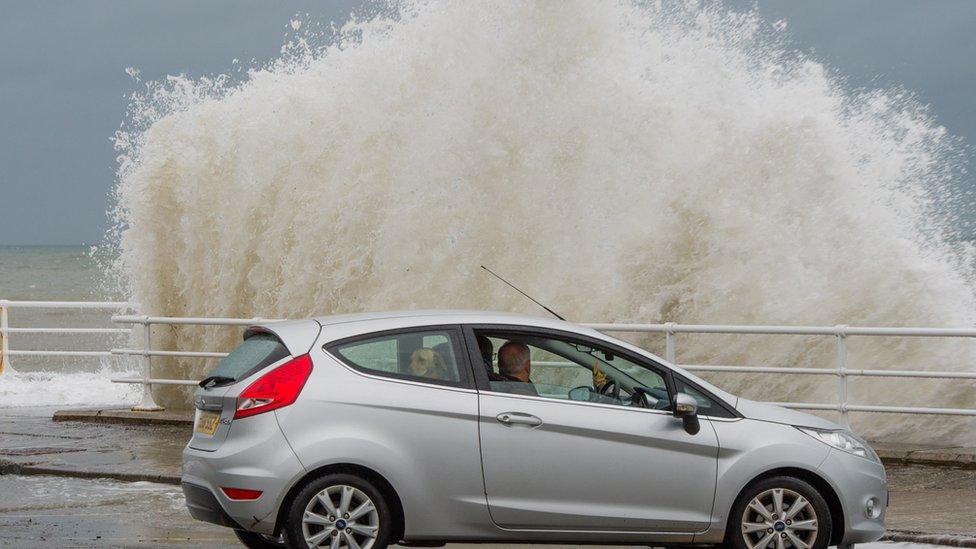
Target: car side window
x=706, y=405
x=430, y=356
x=567, y=369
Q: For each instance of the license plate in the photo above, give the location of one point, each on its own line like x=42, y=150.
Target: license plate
x=207, y=423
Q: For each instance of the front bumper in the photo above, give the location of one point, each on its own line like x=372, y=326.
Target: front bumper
x=856, y=480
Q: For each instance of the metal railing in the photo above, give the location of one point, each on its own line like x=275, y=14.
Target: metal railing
x=147, y=352
x=7, y=305
x=840, y=333
x=841, y=370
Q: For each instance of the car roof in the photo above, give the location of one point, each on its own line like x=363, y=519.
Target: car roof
x=450, y=316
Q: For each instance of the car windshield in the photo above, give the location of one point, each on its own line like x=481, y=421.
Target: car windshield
x=609, y=363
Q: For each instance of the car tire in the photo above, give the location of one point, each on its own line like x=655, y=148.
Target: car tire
x=779, y=510
x=259, y=541
x=366, y=516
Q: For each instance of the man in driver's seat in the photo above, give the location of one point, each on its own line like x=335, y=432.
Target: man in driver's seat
x=515, y=365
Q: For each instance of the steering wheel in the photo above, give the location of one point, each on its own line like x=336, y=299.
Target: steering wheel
x=658, y=394
x=610, y=388
x=639, y=398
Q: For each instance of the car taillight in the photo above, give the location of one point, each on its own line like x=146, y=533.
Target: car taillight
x=275, y=389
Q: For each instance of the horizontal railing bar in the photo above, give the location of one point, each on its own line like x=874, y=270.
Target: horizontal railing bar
x=198, y=321
x=877, y=409
x=12, y=352
x=829, y=371
x=784, y=330
x=187, y=354
x=154, y=381
x=711, y=329
x=758, y=369
x=911, y=410
x=807, y=406
x=912, y=373
x=10, y=304
x=66, y=330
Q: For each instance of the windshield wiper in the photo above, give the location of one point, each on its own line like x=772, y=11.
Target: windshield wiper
x=212, y=381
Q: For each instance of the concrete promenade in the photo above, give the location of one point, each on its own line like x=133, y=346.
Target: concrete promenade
x=933, y=491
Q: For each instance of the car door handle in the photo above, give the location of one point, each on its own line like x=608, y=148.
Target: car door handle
x=518, y=418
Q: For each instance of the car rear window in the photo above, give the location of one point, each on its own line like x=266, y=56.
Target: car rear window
x=255, y=353
x=431, y=356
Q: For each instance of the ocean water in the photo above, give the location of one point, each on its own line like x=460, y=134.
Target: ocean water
x=60, y=273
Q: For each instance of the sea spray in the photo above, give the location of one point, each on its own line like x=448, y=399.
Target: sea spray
x=621, y=162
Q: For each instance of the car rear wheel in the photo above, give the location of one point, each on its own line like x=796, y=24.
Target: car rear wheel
x=779, y=513
x=339, y=511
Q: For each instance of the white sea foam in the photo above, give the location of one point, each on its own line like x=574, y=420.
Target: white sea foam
x=621, y=163
x=71, y=388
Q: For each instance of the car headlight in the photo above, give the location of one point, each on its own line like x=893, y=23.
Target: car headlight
x=844, y=441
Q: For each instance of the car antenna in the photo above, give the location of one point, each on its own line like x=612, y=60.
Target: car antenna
x=553, y=313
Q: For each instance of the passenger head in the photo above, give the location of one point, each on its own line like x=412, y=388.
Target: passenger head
x=428, y=363
x=486, y=348
x=514, y=361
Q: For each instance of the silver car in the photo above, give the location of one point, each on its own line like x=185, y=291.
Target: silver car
x=427, y=427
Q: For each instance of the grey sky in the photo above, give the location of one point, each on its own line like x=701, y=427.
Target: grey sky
x=63, y=84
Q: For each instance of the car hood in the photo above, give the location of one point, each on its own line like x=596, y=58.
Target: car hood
x=762, y=411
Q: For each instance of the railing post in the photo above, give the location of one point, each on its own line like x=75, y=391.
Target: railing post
x=4, y=338
x=669, y=342
x=147, y=404
x=841, y=333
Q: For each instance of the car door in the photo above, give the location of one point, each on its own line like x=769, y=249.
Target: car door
x=554, y=463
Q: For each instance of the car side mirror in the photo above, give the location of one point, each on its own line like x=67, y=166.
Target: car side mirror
x=580, y=394
x=686, y=408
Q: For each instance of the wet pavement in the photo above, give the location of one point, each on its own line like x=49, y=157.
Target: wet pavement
x=29, y=438
x=43, y=500
x=936, y=500
x=70, y=512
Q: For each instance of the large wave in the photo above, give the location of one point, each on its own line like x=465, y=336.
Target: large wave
x=622, y=162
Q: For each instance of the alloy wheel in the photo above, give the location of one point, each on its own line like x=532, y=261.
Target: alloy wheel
x=779, y=518
x=340, y=516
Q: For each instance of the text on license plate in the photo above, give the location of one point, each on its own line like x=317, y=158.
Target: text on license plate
x=207, y=423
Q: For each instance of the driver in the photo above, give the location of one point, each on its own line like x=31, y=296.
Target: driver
x=515, y=365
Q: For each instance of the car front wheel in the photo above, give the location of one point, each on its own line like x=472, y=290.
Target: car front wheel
x=339, y=511
x=780, y=513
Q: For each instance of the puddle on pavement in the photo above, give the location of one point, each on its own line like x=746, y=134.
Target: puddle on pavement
x=24, y=493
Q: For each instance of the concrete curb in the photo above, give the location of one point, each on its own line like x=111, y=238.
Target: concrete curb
x=126, y=416
x=940, y=457
x=8, y=467
x=951, y=540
